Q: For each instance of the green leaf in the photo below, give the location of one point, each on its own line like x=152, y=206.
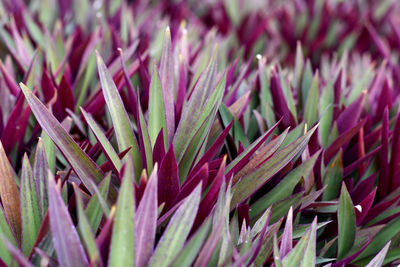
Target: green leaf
x=332, y=178
x=85, y=230
x=300, y=230
x=284, y=188
x=381, y=238
x=103, y=141
x=309, y=254
x=277, y=259
x=267, y=244
x=311, y=107
x=167, y=81
x=262, y=154
x=122, y=250
x=34, y=30
x=146, y=141
x=97, y=205
x=196, y=141
x=298, y=70
x=250, y=183
x=346, y=223
x=188, y=254
x=84, y=80
x=192, y=110
x=260, y=223
x=306, y=81
x=157, y=118
x=30, y=209
x=177, y=230
x=326, y=113
x=82, y=164
x=119, y=116
x=40, y=171
x=146, y=220
x=50, y=149
x=287, y=92
x=294, y=134
x=293, y=259
x=281, y=208
x=6, y=232
x=18, y=257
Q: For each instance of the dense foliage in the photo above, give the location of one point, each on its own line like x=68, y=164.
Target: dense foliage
x=205, y=133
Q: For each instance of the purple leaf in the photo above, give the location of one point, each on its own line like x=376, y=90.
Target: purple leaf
x=209, y=199
x=394, y=170
x=8, y=137
x=159, y=148
x=363, y=207
x=210, y=245
x=280, y=103
x=65, y=238
x=383, y=188
x=376, y=85
x=65, y=97
x=385, y=101
x=202, y=175
x=213, y=150
x=84, y=167
x=146, y=221
x=249, y=184
x=379, y=208
x=349, y=117
x=287, y=236
x=181, y=91
x=363, y=188
x=358, y=163
x=168, y=179
x=341, y=142
x=16, y=254
x=10, y=82
x=167, y=82
x=350, y=258
x=382, y=47
x=243, y=158
x=263, y=154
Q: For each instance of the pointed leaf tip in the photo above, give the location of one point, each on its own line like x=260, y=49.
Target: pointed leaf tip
x=66, y=241
x=82, y=164
x=346, y=223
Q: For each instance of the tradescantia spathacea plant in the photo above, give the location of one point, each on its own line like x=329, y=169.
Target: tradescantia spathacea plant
x=225, y=133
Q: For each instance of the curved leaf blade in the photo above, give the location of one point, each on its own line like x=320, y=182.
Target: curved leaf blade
x=82, y=164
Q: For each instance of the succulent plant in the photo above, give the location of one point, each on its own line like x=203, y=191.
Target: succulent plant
x=225, y=133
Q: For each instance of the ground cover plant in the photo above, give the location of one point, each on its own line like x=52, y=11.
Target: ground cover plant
x=199, y=133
